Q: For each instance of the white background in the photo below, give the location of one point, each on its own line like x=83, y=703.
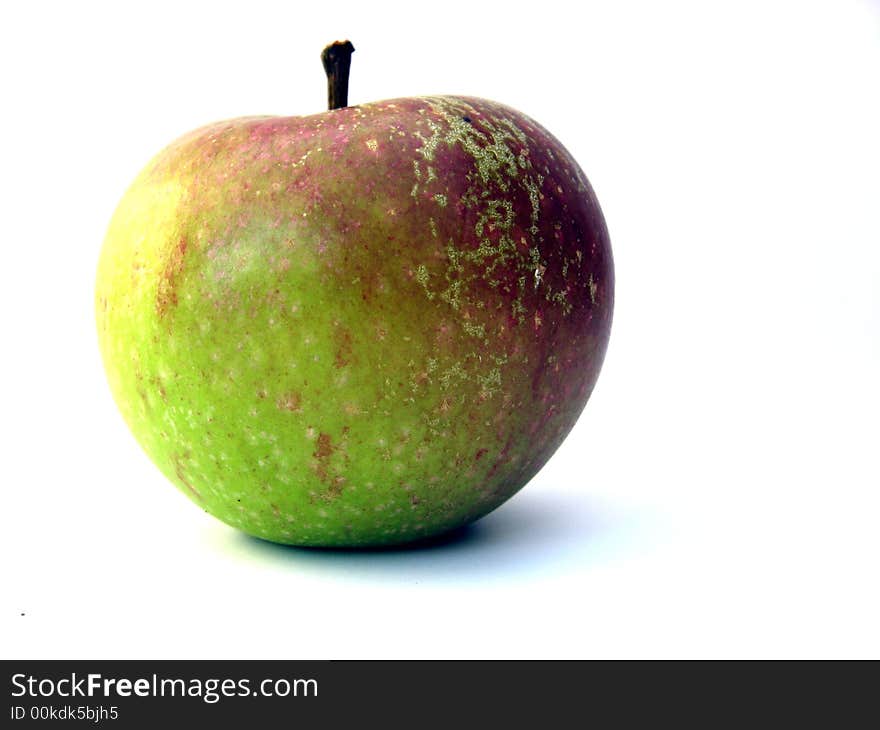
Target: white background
x=719, y=496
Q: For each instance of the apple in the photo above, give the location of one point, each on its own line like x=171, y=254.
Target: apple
x=362, y=327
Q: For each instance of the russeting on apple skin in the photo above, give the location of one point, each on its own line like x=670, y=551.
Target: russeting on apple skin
x=363, y=327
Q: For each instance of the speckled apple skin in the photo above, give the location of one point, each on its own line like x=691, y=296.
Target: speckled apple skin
x=362, y=327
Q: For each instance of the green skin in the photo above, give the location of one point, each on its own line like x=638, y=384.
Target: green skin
x=363, y=327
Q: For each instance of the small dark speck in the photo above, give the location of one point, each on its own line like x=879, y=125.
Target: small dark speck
x=467, y=119
x=22, y=613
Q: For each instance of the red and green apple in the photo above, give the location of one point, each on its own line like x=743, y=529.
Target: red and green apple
x=366, y=326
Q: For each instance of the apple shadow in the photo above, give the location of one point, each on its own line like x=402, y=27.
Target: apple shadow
x=532, y=534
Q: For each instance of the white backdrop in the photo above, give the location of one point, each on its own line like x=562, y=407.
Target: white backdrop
x=732, y=503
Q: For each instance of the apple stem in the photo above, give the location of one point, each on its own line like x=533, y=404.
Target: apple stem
x=337, y=63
